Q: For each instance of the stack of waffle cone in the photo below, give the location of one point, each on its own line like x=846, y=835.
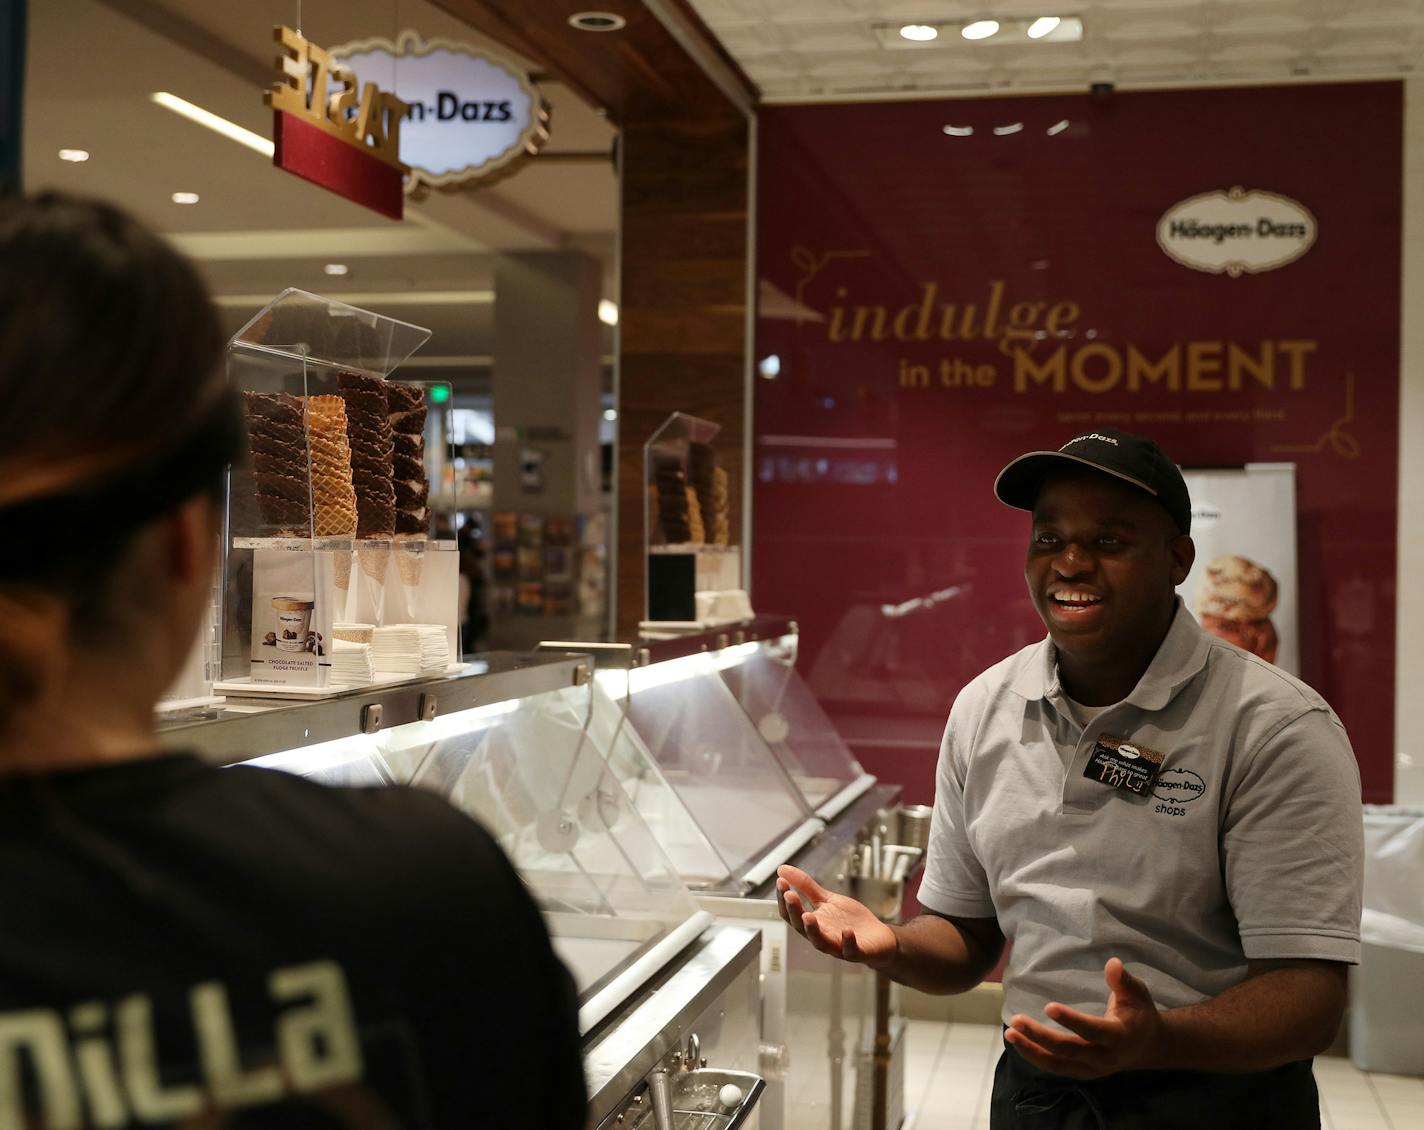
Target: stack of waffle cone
x=332, y=492
x=333, y=497
x=694, y=518
x=719, y=529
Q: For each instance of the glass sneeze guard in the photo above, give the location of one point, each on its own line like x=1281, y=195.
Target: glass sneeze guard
x=698, y=772
x=527, y=770
x=762, y=678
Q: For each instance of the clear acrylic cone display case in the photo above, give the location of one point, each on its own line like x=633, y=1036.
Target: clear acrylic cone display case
x=527, y=770
x=688, y=540
x=330, y=518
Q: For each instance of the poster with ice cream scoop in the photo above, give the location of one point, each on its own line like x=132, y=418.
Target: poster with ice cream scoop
x=1243, y=585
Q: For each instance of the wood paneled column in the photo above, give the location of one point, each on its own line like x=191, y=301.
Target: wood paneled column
x=682, y=323
x=684, y=111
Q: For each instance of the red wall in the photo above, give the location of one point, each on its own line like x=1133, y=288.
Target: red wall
x=871, y=494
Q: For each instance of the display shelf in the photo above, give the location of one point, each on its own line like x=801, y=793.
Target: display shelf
x=336, y=545
x=251, y=688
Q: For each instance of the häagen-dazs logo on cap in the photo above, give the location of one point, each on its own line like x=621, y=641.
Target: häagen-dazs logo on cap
x=1090, y=435
x=1236, y=232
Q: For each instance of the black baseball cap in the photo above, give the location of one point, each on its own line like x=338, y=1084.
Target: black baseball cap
x=1134, y=459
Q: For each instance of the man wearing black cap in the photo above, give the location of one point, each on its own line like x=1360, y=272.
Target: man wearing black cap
x=1150, y=814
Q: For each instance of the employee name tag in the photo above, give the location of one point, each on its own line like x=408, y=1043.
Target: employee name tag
x=1123, y=764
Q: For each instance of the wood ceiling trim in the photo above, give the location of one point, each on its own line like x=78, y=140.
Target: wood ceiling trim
x=639, y=73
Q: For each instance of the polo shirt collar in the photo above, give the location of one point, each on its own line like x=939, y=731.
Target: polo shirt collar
x=1182, y=655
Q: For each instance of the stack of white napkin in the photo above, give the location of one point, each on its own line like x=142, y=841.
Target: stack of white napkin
x=351, y=664
x=410, y=649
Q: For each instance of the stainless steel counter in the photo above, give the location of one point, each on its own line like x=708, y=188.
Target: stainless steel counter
x=655, y=1023
x=244, y=728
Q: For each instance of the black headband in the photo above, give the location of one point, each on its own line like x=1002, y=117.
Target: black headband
x=128, y=498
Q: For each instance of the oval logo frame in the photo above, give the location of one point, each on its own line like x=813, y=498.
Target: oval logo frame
x=525, y=131
x=1237, y=232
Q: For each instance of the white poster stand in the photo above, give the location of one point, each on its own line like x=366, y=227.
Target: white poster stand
x=1243, y=586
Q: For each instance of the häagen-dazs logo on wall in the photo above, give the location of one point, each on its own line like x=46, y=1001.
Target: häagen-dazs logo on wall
x=473, y=114
x=1236, y=232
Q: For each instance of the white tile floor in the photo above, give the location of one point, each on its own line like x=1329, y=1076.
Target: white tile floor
x=949, y=1069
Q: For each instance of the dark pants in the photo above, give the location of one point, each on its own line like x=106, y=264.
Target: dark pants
x=1026, y=1098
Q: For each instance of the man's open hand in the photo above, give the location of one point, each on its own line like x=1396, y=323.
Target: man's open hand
x=1127, y=1038
x=834, y=924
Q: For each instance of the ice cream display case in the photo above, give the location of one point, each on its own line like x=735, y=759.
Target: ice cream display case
x=334, y=572
x=506, y=743
x=722, y=748
x=663, y=992
x=733, y=765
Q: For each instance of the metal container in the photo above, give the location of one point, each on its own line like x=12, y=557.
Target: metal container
x=914, y=825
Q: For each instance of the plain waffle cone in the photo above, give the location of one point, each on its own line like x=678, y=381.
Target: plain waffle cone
x=333, y=496
x=374, y=561
x=410, y=564
x=343, y=570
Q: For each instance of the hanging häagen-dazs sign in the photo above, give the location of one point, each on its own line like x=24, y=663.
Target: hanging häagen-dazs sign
x=329, y=129
x=1236, y=232
x=472, y=117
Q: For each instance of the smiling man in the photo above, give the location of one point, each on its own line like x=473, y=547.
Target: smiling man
x=1166, y=827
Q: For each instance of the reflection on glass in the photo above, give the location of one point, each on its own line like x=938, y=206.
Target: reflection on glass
x=698, y=771
x=762, y=678
x=529, y=773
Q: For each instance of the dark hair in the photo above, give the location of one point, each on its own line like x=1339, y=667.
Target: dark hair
x=109, y=348
x=108, y=340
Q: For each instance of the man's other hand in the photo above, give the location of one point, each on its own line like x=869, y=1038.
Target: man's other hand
x=1126, y=1038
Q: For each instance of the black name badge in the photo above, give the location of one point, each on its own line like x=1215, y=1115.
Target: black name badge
x=1120, y=763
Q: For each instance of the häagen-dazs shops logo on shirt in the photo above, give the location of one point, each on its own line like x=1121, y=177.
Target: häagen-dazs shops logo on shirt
x=1178, y=786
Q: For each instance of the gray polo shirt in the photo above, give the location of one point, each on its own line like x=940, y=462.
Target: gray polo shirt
x=1250, y=845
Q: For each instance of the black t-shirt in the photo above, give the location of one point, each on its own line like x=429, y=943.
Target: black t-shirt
x=187, y=946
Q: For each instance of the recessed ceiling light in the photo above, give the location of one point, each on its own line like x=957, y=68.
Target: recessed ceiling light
x=230, y=130
x=1012, y=127
x=770, y=366
x=919, y=33
x=1044, y=25
x=959, y=131
x=336, y=268
x=597, y=21
x=1057, y=128
x=185, y=198
x=75, y=155
x=980, y=29
x=607, y=312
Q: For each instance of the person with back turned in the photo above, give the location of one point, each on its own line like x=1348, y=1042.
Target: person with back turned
x=183, y=945
x=1166, y=827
